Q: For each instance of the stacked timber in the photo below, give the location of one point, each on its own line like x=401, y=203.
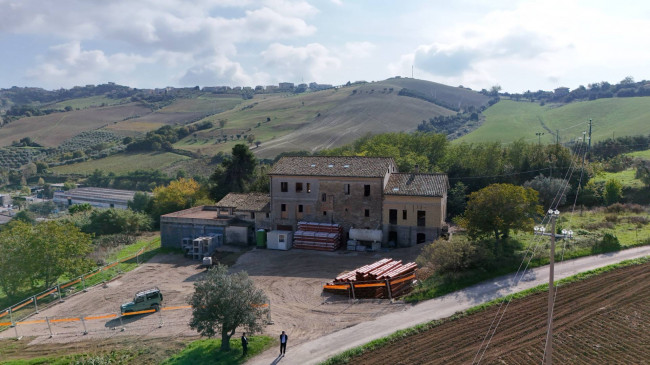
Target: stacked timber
x=317, y=236
x=385, y=278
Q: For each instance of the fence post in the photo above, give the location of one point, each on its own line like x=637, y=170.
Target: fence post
x=48, y=325
x=58, y=289
x=11, y=317
x=35, y=303
x=268, y=314
x=160, y=324
x=390, y=295
x=352, y=288
x=84, y=323
x=83, y=283
x=121, y=324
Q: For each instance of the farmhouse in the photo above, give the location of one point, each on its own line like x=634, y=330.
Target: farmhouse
x=97, y=197
x=358, y=192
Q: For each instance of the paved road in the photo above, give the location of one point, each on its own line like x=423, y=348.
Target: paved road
x=318, y=350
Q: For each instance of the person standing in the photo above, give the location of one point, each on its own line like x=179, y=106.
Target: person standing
x=283, y=343
x=244, y=344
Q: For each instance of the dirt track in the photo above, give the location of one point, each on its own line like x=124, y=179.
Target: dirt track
x=292, y=280
x=605, y=319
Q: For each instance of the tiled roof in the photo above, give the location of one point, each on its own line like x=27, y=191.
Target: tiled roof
x=342, y=166
x=417, y=184
x=255, y=202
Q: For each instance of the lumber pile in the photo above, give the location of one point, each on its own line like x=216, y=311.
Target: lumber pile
x=318, y=236
x=385, y=278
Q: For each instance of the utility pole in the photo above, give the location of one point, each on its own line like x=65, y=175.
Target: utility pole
x=589, y=148
x=539, y=137
x=557, y=137
x=539, y=230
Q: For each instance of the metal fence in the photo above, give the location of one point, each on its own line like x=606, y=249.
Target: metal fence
x=48, y=297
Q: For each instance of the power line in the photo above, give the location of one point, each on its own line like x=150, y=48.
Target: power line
x=516, y=281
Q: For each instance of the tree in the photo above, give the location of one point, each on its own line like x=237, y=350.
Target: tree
x=552, y=191
x=142, y=202
x=112, y=221
x=499, y=208
x=179, y=194
x=235, y=174
x=58, y=248
x=221, y=303
x=613, y=191
x=14, y=258
x=250, y=138
x=46, y=251
x=457, y=200
x=77, y=208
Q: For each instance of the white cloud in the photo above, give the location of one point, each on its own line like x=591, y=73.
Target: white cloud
x=297, y=63
x=358, y=49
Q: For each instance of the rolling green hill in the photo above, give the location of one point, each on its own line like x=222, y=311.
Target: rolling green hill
x=329, y=118
x=509, y=120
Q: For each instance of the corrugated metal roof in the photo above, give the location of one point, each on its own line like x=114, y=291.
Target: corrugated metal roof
x=417, y=184
x=255, y=202
x=340, y=166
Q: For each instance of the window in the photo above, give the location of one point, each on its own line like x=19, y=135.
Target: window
x=324, y=212
x=392, y=216
x=421, y=238
x=422, y=215
x=366, y=190
x=299, y=208
x=283, y=211
x=252, y=215
x=404, y=214
x=282, y=238
x=298, y=187
x=367, y=212
x=308, y=188
x=284, y=186
x=323, y=197
x=346, y=189
x=112, y=205
x=299, y=213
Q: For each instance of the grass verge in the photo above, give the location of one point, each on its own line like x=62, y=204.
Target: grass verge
x=347, y=356
x=206, y=351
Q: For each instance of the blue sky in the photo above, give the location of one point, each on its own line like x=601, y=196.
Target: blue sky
x=520, y=45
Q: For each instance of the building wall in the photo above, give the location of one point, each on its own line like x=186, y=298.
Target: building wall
x=238, y=235
x=406, y=230
x=342, y=205
x=174, y=229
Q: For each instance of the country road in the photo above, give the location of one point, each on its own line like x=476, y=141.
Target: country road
x=318, y=350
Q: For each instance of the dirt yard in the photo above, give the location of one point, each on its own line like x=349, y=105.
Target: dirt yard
x=292, y=280
x=602, y=320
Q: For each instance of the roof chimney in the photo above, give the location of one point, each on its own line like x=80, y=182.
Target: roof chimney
x=417, y=169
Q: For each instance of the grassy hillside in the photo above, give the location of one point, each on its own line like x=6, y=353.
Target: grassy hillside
x=127, y=119
x=50, y=130
x=325, y=119
x=123, y=162
x=509, y=120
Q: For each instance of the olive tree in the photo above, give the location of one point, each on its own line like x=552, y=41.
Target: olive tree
x=223, y=302
x=499, y=208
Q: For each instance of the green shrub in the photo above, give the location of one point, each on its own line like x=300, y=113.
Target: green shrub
x=609, y=243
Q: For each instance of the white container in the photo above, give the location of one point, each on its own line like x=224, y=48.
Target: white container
x=372, y=235
x=279, y=240
x=207, y=261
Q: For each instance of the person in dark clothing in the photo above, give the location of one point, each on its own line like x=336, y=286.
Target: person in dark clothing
x=244, y=344
x=283, y=343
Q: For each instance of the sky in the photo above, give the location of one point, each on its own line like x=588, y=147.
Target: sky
x=519, y=45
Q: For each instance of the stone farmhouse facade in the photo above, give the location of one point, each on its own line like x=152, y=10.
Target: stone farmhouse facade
x=358, y=192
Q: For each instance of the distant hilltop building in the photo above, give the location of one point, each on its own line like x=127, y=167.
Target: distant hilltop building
x=285, y=85
x=561, y=91
x=316, y=87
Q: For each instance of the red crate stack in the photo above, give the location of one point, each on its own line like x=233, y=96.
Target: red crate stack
x=317, y=236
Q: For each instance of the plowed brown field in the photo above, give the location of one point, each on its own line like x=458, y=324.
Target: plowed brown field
x=601, y=320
